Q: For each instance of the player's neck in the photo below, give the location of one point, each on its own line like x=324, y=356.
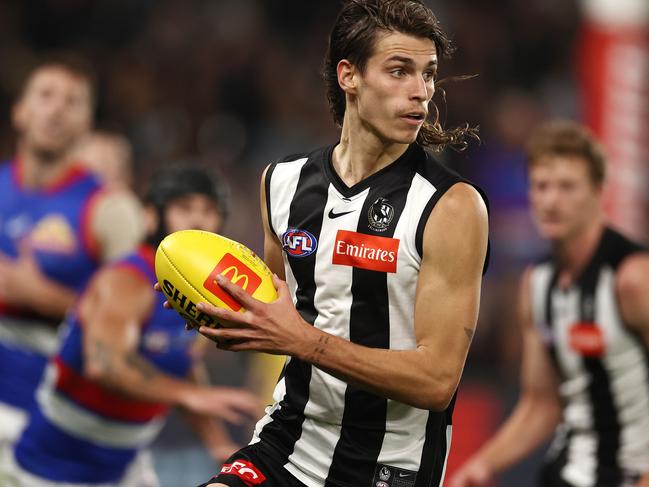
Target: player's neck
x=38, y=171
x=573, y=254
x=361, y=153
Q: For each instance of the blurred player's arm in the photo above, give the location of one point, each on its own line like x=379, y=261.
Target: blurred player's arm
x=23, y=285
x=537, y=412
x=112, y=311
x=446, y=311
x=632, y=287
x=212, y=433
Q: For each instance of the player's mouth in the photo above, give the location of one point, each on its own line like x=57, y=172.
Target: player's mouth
x=414, y=118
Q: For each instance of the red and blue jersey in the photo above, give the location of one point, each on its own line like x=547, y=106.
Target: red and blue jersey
x=82, y=432
x=53, y=224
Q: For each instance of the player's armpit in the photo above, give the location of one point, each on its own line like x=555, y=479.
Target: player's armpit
x=117, y=223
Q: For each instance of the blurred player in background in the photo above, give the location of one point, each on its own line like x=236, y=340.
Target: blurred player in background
x=107, y=154
x=124, y=361
x=383, y=251
x=585, y=324
x=57, y=225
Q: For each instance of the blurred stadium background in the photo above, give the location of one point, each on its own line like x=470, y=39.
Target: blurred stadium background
x=236, y=83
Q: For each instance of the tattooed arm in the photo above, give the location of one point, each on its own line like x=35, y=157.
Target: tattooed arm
x=445, y=314
x=112, y=311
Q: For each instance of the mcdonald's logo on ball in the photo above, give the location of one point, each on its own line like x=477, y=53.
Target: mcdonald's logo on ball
x=236, y=271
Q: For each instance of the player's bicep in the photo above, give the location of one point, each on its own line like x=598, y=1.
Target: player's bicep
x=111, y=313
x=272, y=248
x=448, y=290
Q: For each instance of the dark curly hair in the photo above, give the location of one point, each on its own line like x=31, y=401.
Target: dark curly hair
x=352, y=38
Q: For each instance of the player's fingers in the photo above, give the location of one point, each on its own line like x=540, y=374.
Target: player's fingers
x=167, y=305
x=225, y=333
x=236, y=292
x=223, y=314
x=245, y=402
x=280, y=286
x=156, y=287
x=230, y=415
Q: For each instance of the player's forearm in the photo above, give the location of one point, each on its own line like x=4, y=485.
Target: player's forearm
x=407, y=376
x=531, y=423
x=133, y=376
x=51, y=299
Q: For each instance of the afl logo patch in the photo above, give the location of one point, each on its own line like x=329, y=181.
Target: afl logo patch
x=380, y=215
x=298, y=243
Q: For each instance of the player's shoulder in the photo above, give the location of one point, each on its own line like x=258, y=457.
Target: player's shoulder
x=296, y=161
x=617, y=248
x=630, y=259
x=316, y=154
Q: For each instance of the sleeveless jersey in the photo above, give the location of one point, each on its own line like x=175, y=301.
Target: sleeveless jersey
x=82, y=432
x=603, y=368
x=53, y=222
x=352, y=257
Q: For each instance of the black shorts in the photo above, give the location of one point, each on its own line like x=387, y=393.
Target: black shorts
x=254, y=466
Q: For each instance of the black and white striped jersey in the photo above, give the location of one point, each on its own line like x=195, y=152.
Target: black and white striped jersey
x=352, y=258
x=603, y=439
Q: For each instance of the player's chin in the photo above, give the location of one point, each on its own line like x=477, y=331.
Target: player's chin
x=407, y=136
x=554, y=231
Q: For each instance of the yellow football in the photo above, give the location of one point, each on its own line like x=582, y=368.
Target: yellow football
x=187, y=263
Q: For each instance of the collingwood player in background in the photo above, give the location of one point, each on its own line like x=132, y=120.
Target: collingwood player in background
x=382, y=250
x=585, y=326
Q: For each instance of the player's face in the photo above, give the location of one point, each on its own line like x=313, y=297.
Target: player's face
x=396, y=87
x=192, y=212
x=54, y=111
x=563, y=196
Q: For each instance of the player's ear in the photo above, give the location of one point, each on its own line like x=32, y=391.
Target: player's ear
x=347, y=76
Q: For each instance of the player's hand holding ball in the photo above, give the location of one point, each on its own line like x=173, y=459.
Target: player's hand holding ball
x=187, y=264
x=212, y=281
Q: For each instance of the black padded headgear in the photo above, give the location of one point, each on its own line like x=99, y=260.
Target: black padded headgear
x=177, y=180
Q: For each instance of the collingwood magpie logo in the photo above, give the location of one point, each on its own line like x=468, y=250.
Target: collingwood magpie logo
x=380, y=215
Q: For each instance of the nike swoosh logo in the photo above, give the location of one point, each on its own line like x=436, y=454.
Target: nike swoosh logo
x=336, y=215
x=405, y=475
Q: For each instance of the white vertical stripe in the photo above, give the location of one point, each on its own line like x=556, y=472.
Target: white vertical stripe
x=333, y=300
x=578, y=414
x=283, y=183
x=278, y=395
x=582, y=464
x=405, y=427
x=449, y=438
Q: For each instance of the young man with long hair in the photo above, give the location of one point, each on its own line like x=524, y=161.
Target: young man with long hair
x=378, y=252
